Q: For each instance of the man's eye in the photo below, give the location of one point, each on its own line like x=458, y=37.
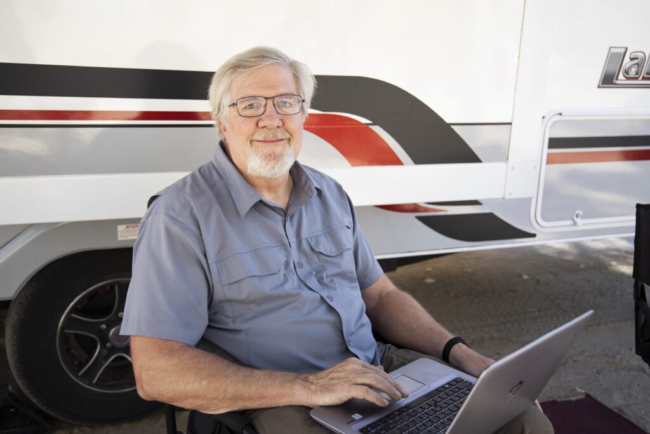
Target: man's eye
x=251, y=106
x=286, y=103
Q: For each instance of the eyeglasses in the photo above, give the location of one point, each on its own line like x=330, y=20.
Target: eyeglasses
x=253, y=106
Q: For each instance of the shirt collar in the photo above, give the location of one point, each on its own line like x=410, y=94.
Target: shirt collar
x=245, y=196
x=304, y=188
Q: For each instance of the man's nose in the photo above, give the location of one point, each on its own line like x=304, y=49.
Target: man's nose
x=270, y=118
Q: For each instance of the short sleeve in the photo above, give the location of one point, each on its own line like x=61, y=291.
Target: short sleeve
x=368, y=269
x=170, y=289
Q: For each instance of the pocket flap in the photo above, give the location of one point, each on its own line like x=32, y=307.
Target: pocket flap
x=333, y=242
x=258, y=262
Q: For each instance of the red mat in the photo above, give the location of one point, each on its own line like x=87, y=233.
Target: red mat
x=587, y=416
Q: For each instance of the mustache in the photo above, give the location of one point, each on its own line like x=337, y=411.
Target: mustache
x=270, y=135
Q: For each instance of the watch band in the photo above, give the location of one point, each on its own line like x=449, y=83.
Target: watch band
x=449, y=345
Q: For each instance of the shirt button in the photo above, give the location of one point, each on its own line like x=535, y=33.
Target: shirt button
x=299, y=264
x=330, y=298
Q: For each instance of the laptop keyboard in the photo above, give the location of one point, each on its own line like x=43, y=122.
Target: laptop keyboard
x=430, y=413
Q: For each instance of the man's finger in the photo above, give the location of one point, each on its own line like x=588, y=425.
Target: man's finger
x=366, y=374
x=381, y=383
x=397, y=386
x=366, y=393
x=390, y=380
x=403, y=393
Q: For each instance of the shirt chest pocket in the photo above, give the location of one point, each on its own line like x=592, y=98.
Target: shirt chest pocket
x=258, y=287
x=332, y=253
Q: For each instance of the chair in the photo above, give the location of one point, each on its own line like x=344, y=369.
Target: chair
x=641, y=276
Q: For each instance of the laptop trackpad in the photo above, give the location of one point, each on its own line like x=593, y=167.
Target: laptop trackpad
x=408, y=383
x=363, y=408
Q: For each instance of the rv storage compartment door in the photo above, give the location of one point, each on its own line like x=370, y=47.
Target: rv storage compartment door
x=595, y=169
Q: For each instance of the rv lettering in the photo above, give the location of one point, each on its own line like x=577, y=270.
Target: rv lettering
x=634, y=75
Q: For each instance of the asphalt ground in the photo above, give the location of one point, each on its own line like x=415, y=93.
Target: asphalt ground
x=499, y=300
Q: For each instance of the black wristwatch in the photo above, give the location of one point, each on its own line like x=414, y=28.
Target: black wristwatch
x=449, y=345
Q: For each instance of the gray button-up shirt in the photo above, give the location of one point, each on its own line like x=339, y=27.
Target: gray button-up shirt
x=274, y=289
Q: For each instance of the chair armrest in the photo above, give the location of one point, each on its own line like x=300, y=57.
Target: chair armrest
x=201, y=423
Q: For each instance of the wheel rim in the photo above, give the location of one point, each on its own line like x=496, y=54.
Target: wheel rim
x=89, y=345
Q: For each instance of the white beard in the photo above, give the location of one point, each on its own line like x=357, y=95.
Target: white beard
x=269, y=162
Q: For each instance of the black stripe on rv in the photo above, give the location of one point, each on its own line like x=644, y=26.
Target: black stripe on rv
x=457, y=203
x=474, y=227
x=598, y=142
x=424, y=135
x=104, y=126
x=93, y=82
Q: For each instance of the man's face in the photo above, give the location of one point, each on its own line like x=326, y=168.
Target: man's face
x=264, y=146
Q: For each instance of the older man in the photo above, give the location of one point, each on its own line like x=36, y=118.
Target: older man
x=264, y=258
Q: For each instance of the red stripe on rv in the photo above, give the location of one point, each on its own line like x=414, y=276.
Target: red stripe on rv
x=86, y=115
x=361, y=146
x=358, y=143
x=597, y=156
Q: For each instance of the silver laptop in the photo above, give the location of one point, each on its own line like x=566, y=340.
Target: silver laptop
x=445, y=400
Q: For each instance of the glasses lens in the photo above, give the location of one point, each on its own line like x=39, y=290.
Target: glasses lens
x=251, y=106
x=288, y=104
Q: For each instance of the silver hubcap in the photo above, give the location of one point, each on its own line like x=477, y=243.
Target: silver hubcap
x=118, y=340
x=89, y=344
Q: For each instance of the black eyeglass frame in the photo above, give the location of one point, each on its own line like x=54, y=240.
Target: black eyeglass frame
x=267, y=98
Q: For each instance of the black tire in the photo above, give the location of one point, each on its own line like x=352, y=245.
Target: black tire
x=63, y=341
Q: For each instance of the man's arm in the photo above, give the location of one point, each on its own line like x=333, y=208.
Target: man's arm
x=403, y=321
x=188, y=377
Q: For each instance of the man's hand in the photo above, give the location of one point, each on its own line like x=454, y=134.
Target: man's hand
x=468, y=360
x=351, y=378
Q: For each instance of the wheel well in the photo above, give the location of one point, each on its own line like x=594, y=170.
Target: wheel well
x=62, y=261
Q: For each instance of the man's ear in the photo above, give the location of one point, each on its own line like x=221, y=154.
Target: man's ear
x=222, y=127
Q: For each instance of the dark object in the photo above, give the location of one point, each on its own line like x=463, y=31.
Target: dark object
x=152, y=199
x=70, y=362
x=201, y=423
x=587, y=416
x=17, y=418
x=170, y=419
x=226, y=423
x=408, y=120
x=391, y=264
x=82, y=81
x=449, y=345
x=641, y=276
x=473, y=227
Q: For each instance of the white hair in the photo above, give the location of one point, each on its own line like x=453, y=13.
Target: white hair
x=254, y=58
